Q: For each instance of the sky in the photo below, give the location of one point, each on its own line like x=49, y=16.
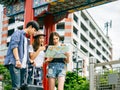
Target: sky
x=105, y=13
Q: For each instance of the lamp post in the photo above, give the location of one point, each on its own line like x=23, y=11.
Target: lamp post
x=78, y=62
x=92, y=61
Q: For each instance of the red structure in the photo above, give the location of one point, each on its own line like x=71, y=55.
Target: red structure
x=46, y=13
x=49, y=27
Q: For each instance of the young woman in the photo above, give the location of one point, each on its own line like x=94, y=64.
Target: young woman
x=57, y=66
x=37, y=56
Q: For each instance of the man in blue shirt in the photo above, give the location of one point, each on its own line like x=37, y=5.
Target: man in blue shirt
x=18, y=55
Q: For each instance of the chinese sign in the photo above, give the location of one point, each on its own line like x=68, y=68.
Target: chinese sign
x=15, y=9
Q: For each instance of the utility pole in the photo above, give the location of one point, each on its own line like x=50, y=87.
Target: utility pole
x=107, y=26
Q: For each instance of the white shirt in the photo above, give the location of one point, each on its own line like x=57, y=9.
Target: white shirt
x=25, y=53
x=39, y=59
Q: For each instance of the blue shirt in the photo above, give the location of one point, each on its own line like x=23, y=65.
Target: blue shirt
x=17, y=41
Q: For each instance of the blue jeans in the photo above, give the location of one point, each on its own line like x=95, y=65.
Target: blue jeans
x=17, y=76
x=56, y=70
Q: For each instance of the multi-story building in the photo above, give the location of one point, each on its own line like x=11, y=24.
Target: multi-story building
x=79, y=31
x=86, y=39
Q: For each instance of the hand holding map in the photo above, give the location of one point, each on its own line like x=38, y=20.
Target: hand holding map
x=56, y=51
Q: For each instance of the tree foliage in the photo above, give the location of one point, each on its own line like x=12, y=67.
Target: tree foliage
x=74, y=82
x=6, y=77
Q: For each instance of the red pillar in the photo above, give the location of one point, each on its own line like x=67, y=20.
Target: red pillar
x=29, y=14
x=49, y=27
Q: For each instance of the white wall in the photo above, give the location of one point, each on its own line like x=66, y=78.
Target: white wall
x=1, y=15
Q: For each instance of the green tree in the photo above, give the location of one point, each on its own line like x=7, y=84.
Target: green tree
x=6, y=77
x=74, y=82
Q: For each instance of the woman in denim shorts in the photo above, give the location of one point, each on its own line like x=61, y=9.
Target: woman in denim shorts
x=57, y=66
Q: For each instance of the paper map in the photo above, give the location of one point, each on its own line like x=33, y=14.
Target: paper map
x=56, y=51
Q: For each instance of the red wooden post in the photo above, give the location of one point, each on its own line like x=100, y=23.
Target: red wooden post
x=49, y=27
x=29, y=14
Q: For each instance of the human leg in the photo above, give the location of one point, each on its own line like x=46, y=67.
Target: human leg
x=61, y=73
x=29, y=75
x=61, y=81
x=15, y=77
x=23, y=74
x=51, y=82
x=38, y=76
x=51, y=76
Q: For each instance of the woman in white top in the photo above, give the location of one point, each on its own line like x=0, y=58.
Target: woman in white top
x=37, y=56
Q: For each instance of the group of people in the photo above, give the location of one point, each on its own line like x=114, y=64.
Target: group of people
x=22, y=58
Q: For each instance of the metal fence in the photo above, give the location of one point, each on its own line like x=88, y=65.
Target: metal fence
x=107, y=79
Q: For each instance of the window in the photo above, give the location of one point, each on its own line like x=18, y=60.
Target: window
x=75, y=18
x=10, y=32
x=90, y=55
x=83, y=38
x=83, y=27
x=75, y=30
x=91, y=36
x=91, y=46
x=75, y=42
x=83, y=49
x=84, y=16
x=11, y=20
x=98, y=53
x=98, y=43
x=61, y=26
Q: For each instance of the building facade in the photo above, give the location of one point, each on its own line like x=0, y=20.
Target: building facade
x=86, y=40
x=79, y=31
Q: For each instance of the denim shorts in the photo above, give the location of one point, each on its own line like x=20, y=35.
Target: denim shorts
x=56, y=70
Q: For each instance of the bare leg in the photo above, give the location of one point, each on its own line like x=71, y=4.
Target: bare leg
x=61, y=81
x=51, y=83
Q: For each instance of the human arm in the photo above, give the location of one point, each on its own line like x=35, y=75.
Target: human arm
x=67, y=57
x=15, y=40
x=67, y=54
x=15, y=53
x=49, y=59
x=34, y=54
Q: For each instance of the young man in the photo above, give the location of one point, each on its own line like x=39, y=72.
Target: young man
x=18, y=54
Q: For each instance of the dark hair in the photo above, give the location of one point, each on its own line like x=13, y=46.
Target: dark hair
x=36, y=43
x=51, y=37
x=34, y=24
